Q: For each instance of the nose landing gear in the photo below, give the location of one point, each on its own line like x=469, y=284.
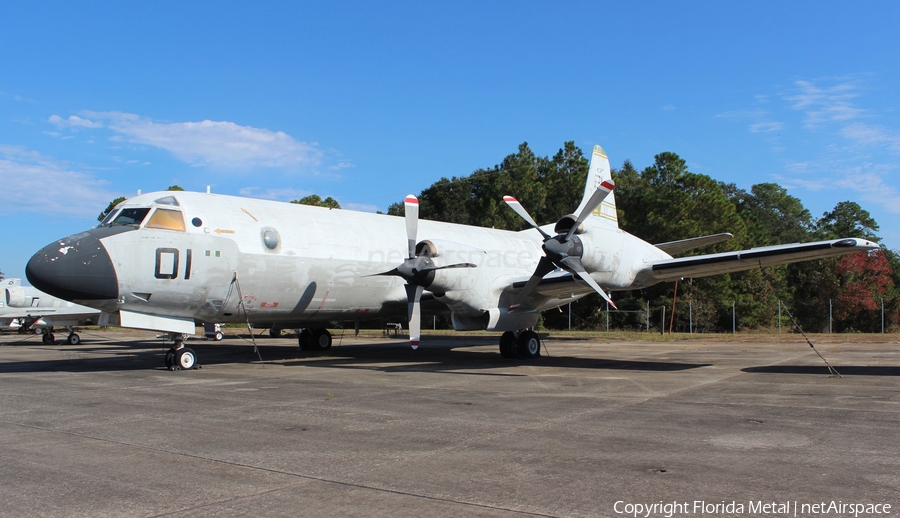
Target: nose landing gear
x=180, y=357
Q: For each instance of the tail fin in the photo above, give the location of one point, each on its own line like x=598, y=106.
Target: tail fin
x=599, y=171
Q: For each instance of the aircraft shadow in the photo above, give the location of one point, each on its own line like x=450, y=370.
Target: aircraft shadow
x=457, y=357
x=844, y=370
x=447, y=357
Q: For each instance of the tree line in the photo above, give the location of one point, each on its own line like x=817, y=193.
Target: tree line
x=665, y=201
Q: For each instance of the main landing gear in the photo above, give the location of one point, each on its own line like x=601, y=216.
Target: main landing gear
x=48, y=338
x=180, y=357
x=314, y=339
x=524, y=344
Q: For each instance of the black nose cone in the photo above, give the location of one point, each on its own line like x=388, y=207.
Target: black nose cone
x=75, y=268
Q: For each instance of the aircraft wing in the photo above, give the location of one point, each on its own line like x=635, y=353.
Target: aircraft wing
x=676, y=247
x=727, y=262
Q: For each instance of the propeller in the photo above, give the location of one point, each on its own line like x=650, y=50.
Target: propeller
x=563, y=250
x=416, y=270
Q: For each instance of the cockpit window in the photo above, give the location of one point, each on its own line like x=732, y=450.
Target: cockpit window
x=167, y=200
x=131, y=217
x=109, y=217
x=167, y=219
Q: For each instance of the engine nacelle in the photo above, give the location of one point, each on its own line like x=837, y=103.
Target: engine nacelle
x=17, y=297
x=501, y=319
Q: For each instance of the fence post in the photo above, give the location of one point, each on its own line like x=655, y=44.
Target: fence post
x=691, y=316
x=882, y=316
x=733, y=320
x=829, y=316
x=570, y=316
x=648, y=316
x=662, y=323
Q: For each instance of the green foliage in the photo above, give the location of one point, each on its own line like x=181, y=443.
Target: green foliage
x=848, y=219
x=317, y=201
x=174, y=188
x=109, y=208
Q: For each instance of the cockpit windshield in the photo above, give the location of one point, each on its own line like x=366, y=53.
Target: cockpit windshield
x=109, y=217
x=130, y=217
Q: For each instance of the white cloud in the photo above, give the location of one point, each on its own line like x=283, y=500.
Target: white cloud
x=765, y=127
x=213, y=143
x=869, y=135
x=63, y=191
x=825, y=104
x=73, y=121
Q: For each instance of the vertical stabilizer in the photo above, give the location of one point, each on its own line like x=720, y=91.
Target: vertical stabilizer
x=597, y=172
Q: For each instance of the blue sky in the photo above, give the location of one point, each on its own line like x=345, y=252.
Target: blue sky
x=367, y=102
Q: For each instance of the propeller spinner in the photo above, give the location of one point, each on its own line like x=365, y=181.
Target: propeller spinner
x=416, y=270
x=563, y=250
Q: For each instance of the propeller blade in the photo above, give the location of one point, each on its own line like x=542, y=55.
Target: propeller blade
x=544, y=267
x=596, y=199
x=520, y=210
x=414, y=295
x=411, y=204
x=574, y=264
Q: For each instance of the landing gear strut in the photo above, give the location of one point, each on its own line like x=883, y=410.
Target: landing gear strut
x=525, y=344
x=314, y=339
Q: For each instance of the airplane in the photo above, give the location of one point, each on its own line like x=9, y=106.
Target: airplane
x=36, y=311
x=164, y=261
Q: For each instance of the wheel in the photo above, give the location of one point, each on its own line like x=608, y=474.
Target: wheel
x=274, y=332
x=529, y=344
x=508, y=346
x=219, y=336
x=185, y=358
x=73, y=339
x=48, y=338
x=303, y=339
x=320, y=340
x=170, y=358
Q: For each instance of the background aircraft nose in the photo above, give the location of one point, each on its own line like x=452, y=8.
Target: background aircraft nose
x=75, y=268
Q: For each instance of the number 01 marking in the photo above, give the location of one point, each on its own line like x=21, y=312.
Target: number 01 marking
x=167, y=263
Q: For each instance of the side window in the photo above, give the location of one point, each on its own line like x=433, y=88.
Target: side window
x=167, y=219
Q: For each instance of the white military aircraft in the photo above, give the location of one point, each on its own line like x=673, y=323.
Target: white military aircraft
x=40, y=312
x=164, y=261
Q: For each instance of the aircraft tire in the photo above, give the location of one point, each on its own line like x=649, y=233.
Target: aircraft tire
x=219, y=336
x=320, y=340
x=48, y=338
x=186, y=358
x=529, y=344
x=73, y=339
x=170, y=358
x=274, y=332
x=509, y=348
x=304, y=339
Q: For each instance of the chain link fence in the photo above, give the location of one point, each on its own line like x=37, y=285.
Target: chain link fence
x=686, y=316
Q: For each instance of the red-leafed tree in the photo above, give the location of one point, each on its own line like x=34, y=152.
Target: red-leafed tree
x=865, y=282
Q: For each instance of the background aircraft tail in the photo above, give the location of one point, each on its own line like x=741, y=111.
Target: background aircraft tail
x=597, y=173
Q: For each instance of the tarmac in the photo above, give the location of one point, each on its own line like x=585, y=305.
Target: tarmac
x=373, y=428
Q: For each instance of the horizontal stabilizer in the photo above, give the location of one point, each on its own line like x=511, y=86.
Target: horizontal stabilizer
x=727, y=262
x=674, y=248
